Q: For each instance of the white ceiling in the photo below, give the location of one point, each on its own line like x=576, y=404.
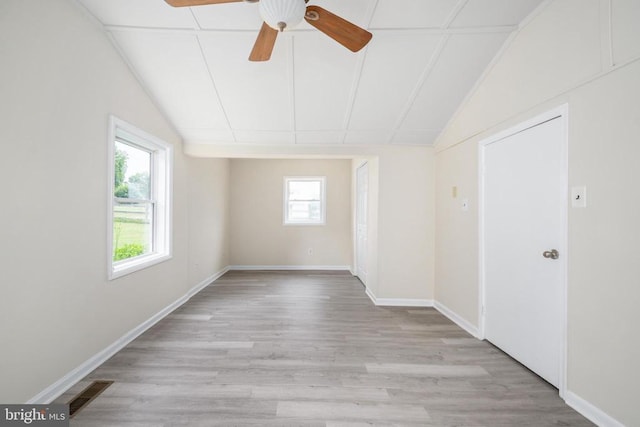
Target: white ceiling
x=402, y=88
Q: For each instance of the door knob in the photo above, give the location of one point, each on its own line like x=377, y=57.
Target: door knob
x=553, y=254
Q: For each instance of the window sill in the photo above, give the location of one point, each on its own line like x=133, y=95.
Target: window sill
x=137, y=264
x=304, y=223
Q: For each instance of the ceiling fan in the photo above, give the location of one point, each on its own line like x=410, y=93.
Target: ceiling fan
x=279, y=15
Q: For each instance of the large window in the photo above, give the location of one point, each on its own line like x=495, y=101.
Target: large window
x=139, y=199
x=304, y=200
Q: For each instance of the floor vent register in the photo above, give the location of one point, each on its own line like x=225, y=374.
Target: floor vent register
x=86, y=396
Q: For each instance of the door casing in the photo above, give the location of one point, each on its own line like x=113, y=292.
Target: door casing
x=362, y=172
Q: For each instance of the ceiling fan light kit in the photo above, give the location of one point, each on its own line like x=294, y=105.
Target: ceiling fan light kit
x=279, y=15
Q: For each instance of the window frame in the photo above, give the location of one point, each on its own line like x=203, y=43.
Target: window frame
x=160, y=180
x=323, y=200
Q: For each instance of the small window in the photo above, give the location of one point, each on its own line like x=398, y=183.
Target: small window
x=139, y=200
x=304, y=200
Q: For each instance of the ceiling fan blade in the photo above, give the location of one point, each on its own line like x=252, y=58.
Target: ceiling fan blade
x=264, y=44
x=185, y=3
x=344, y=32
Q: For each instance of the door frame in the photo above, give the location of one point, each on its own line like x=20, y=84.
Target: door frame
x=559, y=113
x=364, y=280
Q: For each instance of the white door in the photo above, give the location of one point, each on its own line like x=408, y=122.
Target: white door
x=362, y=188
x=523, y=221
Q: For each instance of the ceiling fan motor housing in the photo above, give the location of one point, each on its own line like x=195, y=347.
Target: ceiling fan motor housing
x=281, y=14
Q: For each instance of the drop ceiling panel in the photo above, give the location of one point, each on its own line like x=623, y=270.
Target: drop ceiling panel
x=415, y=137
x=269, y=137
x=392, y=69
x=412, y=13
x=625, y=18
x=324, y=75
x=320, y=137
x=228, y=16
x=206, y=135
x=461, y=62
x=173, y=69
x=255, y=95
x=488, y=13
x=368, y=137
x=140, y=13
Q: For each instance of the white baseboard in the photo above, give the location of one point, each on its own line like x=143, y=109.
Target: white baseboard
x=458, y=320
x=592, y=413
x=52, y=392
x=206, y=282
x=398, y=302
x=370, y=294
x=289, y=267
x=404, y=302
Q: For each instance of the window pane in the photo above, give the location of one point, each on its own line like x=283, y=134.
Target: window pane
x=132, y=230
x=132, y=171
x=304, y=190
x=304, y=211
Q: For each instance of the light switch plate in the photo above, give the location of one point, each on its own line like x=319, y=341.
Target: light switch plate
x=579, y=197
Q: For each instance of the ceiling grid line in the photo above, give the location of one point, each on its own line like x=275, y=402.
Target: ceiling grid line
x=421, y=81
x=353, y=95
x=141, y=81
x=454, y=13
x=357, y=76
x=215, y=89
x=608, y=57
x=496, y=57
x=95, y=20
x=291, y=71
x=383, y=31
x=197, y=27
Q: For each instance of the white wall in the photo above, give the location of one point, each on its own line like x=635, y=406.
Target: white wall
x=60, y=79
x=258, y=236
x=208, y=218
x=568, y=53
x=456, y=251
x=406, y=214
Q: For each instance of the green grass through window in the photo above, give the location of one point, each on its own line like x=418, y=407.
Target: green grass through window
x=131, y=231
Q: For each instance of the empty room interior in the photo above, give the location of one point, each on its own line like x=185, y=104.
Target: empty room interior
x=363, y=212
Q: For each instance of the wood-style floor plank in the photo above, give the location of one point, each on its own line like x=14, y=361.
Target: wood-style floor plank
x=310, y=349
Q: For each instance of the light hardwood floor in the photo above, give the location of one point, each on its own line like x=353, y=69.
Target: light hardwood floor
x=310, y=349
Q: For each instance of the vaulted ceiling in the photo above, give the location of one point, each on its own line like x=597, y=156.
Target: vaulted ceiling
x=402, y=88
